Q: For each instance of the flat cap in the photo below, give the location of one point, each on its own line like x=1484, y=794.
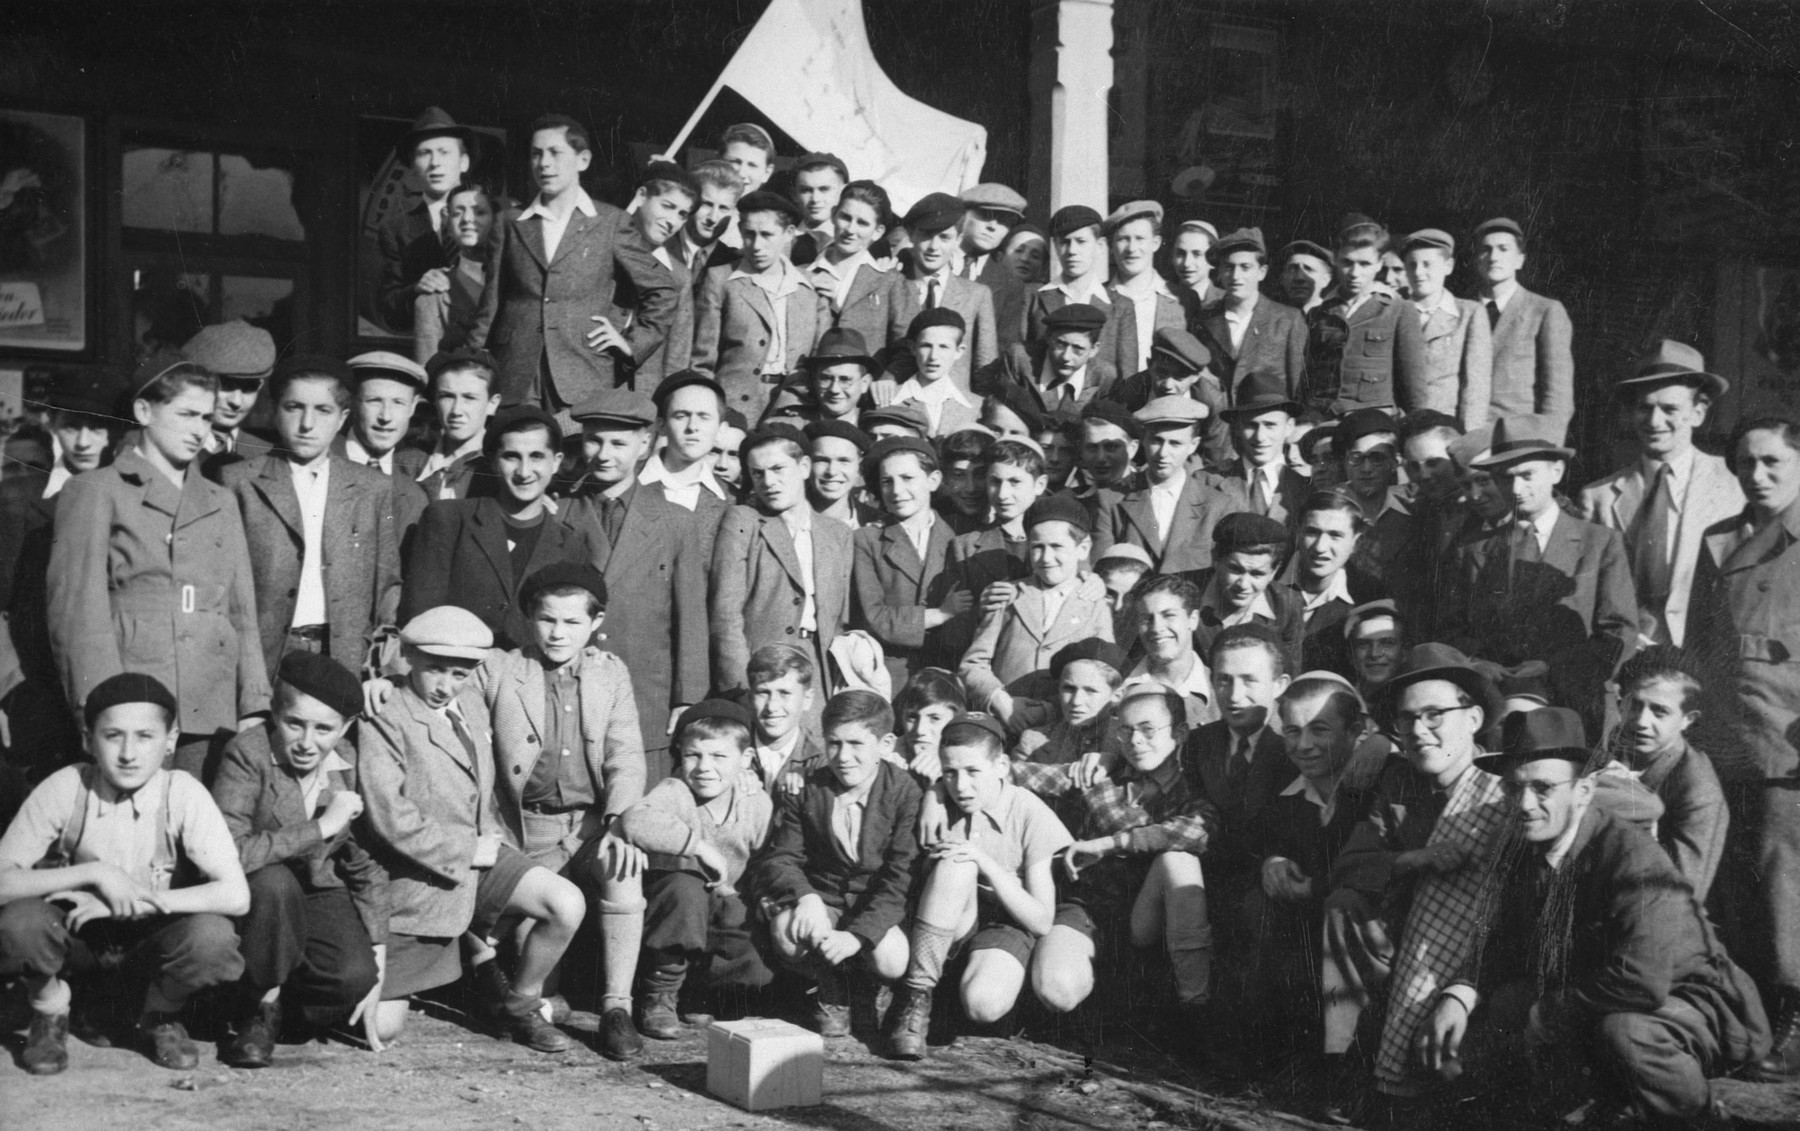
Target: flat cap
x=1114, y=413
x=1430, y=237
x=520, y=418
x=839, y=430
x=1497, y=224
x=323, y=678
x=822, y=161
x=1527, y=679
x=618, y=405
x=465, y=358
x=892, y=446
x=896, y=415
x=762, y=200
x=1014, y=398
x=1075, y=316
x=966, y=725
x=1307, y=248
x=931, y=214
x=235, y=350
x=1072, y=218
x=1093, y=649
x=1245, y=530
x=1364, y=422
x=683, y=379
x=1181, y=347
x=725, y=710
x=388, y=365
x=1243, y=239
x=1132, y=210
x=1170, y=412
x=769, y=432
x=152, y=368
x=313, y=365
x=126, y=687
x=936, y=316
x=448, y=630
x=997, y=197
x=1060, y=508
x=560, y=575
x=1126, y=552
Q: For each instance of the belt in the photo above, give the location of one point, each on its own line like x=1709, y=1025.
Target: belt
x=547, y=808
x=309, y=631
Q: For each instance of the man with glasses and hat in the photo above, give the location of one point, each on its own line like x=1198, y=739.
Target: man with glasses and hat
x=415, y=242
x=839, y=372
x=1664, y=500
x=1595, y=952
x=1247, y=332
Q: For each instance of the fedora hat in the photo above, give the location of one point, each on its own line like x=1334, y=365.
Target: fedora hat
x=1262, y=391
x=1532, y=736
x=434, y=122
x=1527, y=436
x=1672, y=361
x=1440, y=661
x=841, y=344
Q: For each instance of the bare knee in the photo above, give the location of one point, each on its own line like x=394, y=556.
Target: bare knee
x=390, y=1018
x=890, y=955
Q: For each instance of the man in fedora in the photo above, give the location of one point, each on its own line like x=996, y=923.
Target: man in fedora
x=839, y=371
x=1260, y=418
x=414, y=242
x=1544, y=585
x=1663, y=501
x=1246, y=331
x=991, y=211
x=1534, y=368
x=1595, y=952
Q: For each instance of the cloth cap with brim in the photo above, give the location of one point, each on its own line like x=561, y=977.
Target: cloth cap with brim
x=974, y=720
x=1112, y=412
x=1017, y=400
x=616, y=406
x=234, y=350
x=1425, y=662
x=449, y=631
x=1364, y=422
x=1132, y=210
x=684, y=379
x=1071, y=219
x=562, y=575
x=1060, y=508
x=1497, y=224
x=1673, y=362
x=1125, y=552
x=894, y=445
x=823, y=161
x=387, y=365
x=94, y=393
x=1307, y=248
x=1243, y=239
x=1429, y=237
x=764, y=201
x=932, y=213
x=936, y=316
x=727, y=710
x=997, y=197
x=443, y=361
x=1261, y=391
x=1521, y=438
x=323, y=678
x=434, y=122
x=1092, y=649
x=904, y=415
x=839, y=345
x=1170, y=412
x=1180, y=347
x=839, y=430
x=519, y=418
x=126, y=687
x=1370, y=610
x=768, y=432
x=152, y=368
x=1534, y=736
x=1074, y=316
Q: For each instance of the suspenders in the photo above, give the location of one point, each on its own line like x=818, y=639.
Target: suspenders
x=165, y=858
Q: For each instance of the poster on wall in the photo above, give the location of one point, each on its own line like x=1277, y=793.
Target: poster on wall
x=43, y=232
x=386, y=188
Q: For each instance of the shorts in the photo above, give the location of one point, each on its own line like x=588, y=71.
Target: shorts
x=495, y=886
x=416, y=963
x=1010, y=938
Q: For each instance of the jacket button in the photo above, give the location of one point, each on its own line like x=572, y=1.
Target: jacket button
x=516, y=769
x=293, y=592
x=790, y=630
x=797, y=602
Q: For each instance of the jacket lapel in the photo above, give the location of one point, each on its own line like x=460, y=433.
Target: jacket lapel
x=579, y=223
x=897, y=550
x=862, y=285
x=1139, y=512
x=758, y=300
x=1769, y=542
x=775, y=533
x=531, y=234
x=490, y=536
x=1190, y=513
x=528, y=685
x=275, y=483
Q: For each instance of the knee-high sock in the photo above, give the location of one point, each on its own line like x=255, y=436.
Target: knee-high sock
x=1190, y=958
x=930, y=949
x=621, y=937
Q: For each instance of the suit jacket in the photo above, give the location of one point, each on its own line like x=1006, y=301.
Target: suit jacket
x=1291, y=492
x=245, y=447
x=1534, y=368
x=461, y=478
x=1289, y=621
x=1017, y=640
x=677, y=348
x=1375, y=361
x=459, y=557
x=426, y=803
x=1021, y=364
x=266, y=812
x=1458, y=369
x=893, y=589
x=25, y=538
x=1274, y=342
x=803, y=857
x=1240, y=799
x=360, y=556
x=1050, y=297
x=1744, y=628
x=981, y=343
x=757, y=595
x=1713, y=495
x=1010, y=296
x=535, y=311
x=406, y=497
x=1695, y=816
x=149, y=577
x=1130, y=517
x=513, y=686
x=1129, y=354
x=874, y=307
x=977, y=559
x=409, y=247
x=733, y=325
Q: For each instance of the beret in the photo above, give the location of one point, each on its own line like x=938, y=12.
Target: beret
x=448, y=630
x=762, y=200
x=1171, y=410
x=323, y=678
x=233, y=350
x=557, y=575
x=735, y=419
x=936, y=316
x=1430, y=237
x=770, y=431
x=1074, y=316
x=729, y=710
x=1093, y=648
x=1126, y=552
x=1364, y=422
x=1072, y=218
x=1060, y=508
x=905, y=415
x=822, y=161
x=675, y=382
x=517, y=419
x=974, y=720
x=312, y=365
x=893, y=445
x=995, y=196
x=1242, y=530
x=1180, y=346
x=1497, y=224
x=837, y=429
x=1243, y=239
x=1306, y=247
x=1131, y=210
x=157, y=364
x=618, y=405
x=94, y=393
x=378, y=364
x=1112, y=412
x=1014, y=398
x=127, y=687
x=457, y=359
x=931, y=214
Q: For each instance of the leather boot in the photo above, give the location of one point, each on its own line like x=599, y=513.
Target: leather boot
x=831, y=1005
x=1783, y=1062
x=909, y=1023
x=167, y=1041
x=253, y=1044
x=46, y=1044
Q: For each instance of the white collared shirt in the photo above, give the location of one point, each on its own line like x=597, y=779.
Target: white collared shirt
x=312, y=485
x=1047, y=379
x=785, y=283
x=682, y=487
x=1304, y=787
x=931, y=397
x=1237, y=324
x=923, y=285
x=918, y=530
x=1091, y=290
x=1503, y=293
x=59, y=475
x=969, y=266
x=1142, y=292
x=1163, y=499
x=1445, y=301
x=553, y=226
x=1056, y=597
x=1681, y=473
x=356, y=453
x=835, y=279
x=1541, y=526
x=1338, y=589
x=798, y=520
x=773, y=759
x=438, y=460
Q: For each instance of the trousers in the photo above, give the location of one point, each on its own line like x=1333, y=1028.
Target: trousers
x=180, y=954
x=313, y=944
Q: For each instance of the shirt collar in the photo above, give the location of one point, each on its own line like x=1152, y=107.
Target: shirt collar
x=1198, y=681
x=935, y=393
x=1560, y=850
x=584, y=204
x=1445, y=301
x=1142, y=287
x=1215, y=596
x=699, y=473
x=1680, y=467
x=798, y=518
x=54, y=483
x=357, y=452
x=846, y=269
x=996, y=814
x=1302, y=786
x=786, y=282
x=142, y=800
x=333, y=762
x=1093, y=290
x=1503, y=293
x=1543, y=523
x=1337, y=589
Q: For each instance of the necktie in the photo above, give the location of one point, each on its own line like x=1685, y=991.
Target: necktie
x=1237, y=767
x=969, y=268
x=1259, y=493
x=462, y=733
x=1652, y=573
x=1493, y=309
x=612, y=518
x=931, y=295
x=1525, y=543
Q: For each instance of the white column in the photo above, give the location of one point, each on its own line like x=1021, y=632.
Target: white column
x=1071, y=78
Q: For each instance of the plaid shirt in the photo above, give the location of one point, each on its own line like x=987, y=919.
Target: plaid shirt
x=1149, y=813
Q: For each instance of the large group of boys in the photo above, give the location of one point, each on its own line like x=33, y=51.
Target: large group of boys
x=803, y=591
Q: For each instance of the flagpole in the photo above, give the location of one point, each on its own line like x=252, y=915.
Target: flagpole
x=694, y=118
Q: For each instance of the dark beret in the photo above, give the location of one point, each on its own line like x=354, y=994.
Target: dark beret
x=1073, y=218
x=840, y=430
x=774, y=430
x=452, y=359
x=973, y=720
x=822, y=161
x=728, y=709
x=1363, y=422
x=936, y=316
x=1060, y=508
x=517, y=419
x=556, y=575
x=932, y=214
x=683, y=379
x=1074, y=316
x=1242, y=530
x=312, y=365
x=1114, y=413
x=1093, y=648
x=764, y=201
x=1017, y=400
x=126, y=687
x=323, y=678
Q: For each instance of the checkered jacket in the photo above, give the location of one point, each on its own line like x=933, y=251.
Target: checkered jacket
x=1138, y=813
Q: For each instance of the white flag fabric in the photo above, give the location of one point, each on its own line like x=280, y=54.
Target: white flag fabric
x=807, y=65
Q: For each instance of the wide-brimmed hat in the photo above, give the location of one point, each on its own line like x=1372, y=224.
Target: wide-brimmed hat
x=1672, y=361
x=1533, y=736
x=1262, y=391
x=1527, y=436
x=838, y=345
x=1440, y=661
x=434, y=122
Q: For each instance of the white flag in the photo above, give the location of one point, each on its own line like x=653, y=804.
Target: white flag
x=807, y=65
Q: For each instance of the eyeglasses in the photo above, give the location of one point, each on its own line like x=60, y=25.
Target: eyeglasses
x=1145, y=731
x=1432, y=717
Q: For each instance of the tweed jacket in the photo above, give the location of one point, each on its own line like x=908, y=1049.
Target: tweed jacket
x=893, y=590
x=1050, y=297
x=874, y=307
x=1274, y=342
x=1291, y=491
x=758, y=594
x=1017, y=640
x=977, y=559
x=981, y=342
x=1534, y=366
x=265, y=810
x=1713, y=495
x=1022, y=363
x=1130, y=517
x=734, y=323
x=1010, y=296
x=1379, y=362
x=149, y=577
x=1695, y=816
x=360, y=557
x=513, y=685
x=535, y=311
x=677, y=348
x=1458, y=369
x=1129, y=354
x=803, y=857
x=426, y=804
